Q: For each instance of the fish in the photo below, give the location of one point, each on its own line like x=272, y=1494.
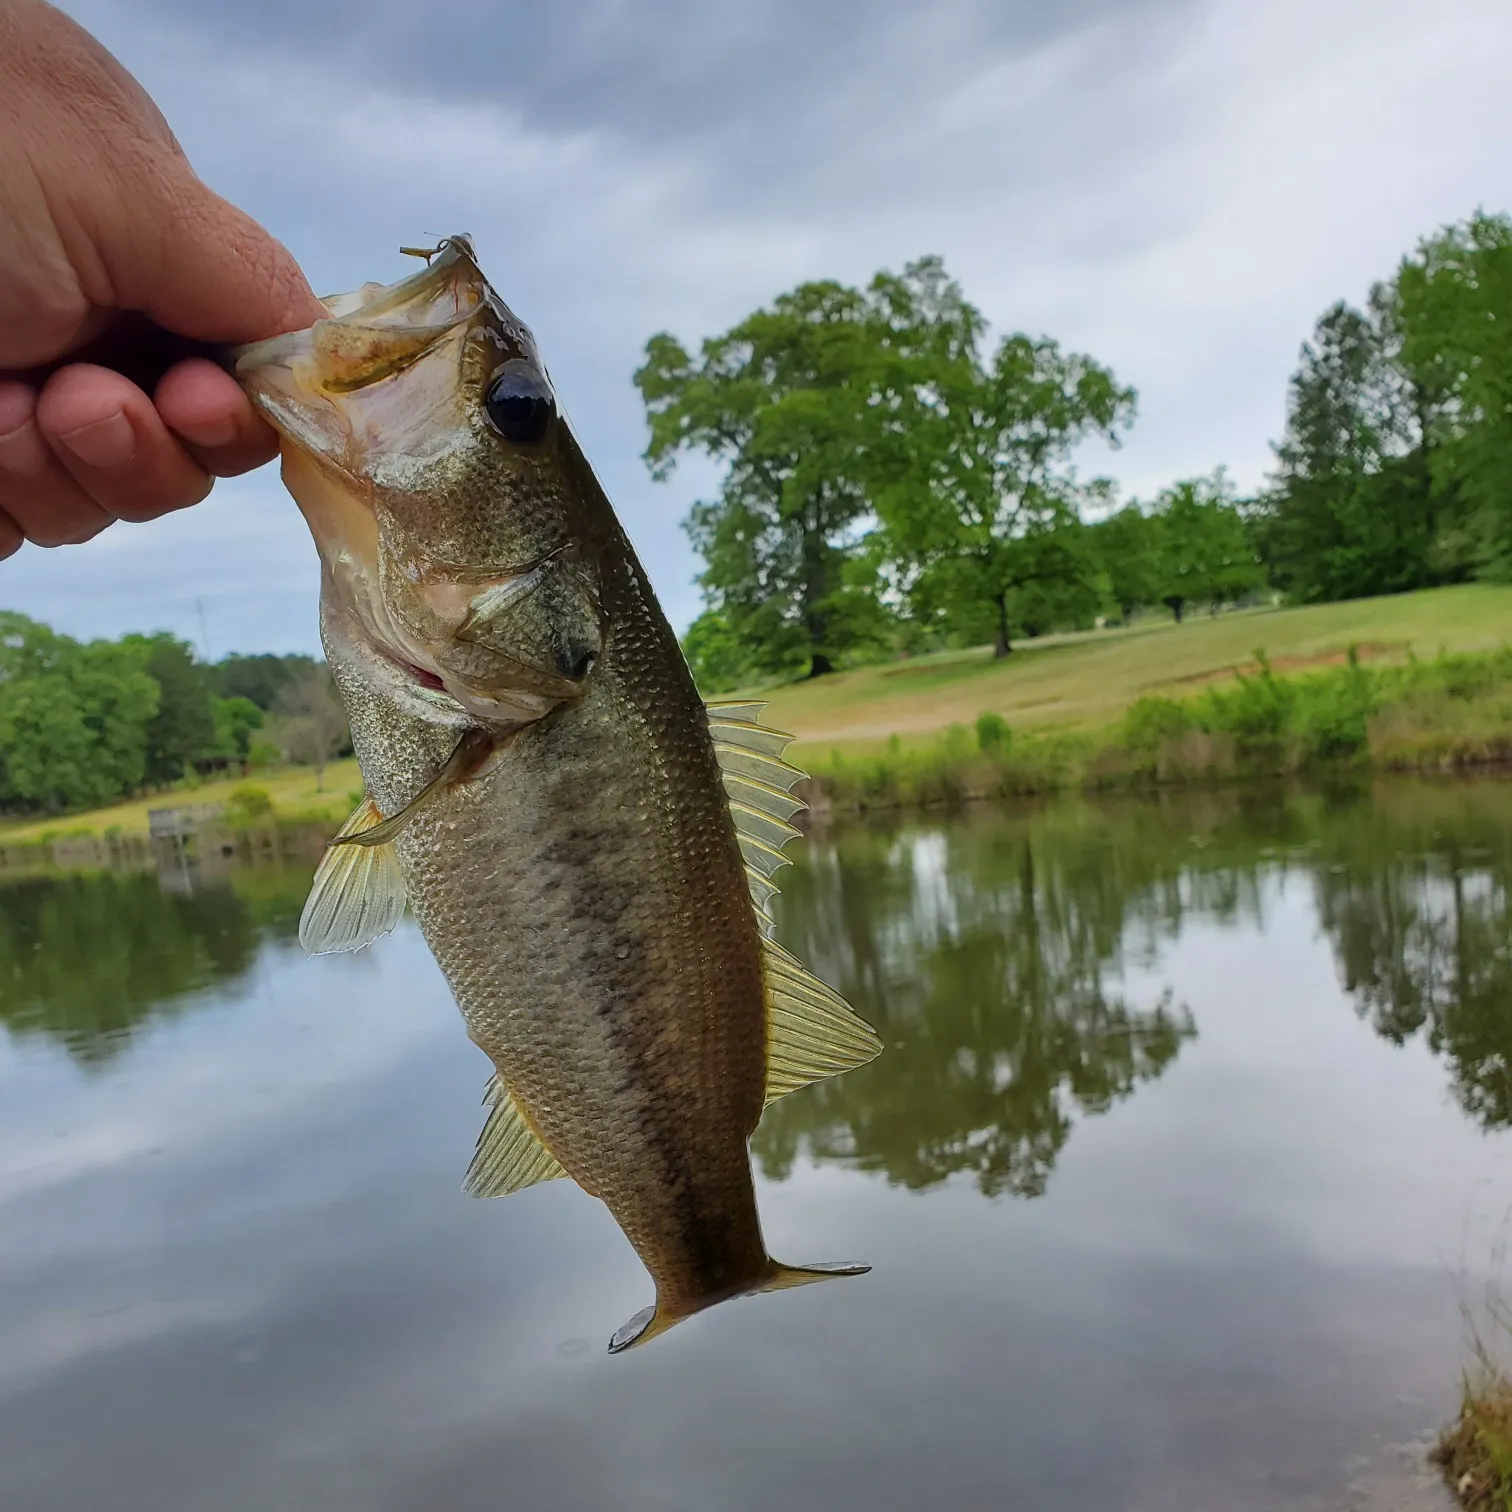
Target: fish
x=587, y=846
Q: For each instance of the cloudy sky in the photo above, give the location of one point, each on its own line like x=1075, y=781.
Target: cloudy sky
x=1177, y=186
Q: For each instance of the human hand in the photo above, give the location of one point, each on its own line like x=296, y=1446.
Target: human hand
x=116, y=263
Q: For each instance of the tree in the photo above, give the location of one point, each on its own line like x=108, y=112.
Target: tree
x=73, y=718
x=714, y=652
x=1453, y=306
x=259, y=678
x=1127, y=548
x=1202, y=551
x=1355, y=508
x=982, y=508
x=236, y=721
x=183, y=728
x=313, y=723
x=793, y=400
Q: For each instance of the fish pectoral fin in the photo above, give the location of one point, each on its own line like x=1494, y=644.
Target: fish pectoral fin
x=465, y=761
x=812, y=1032
x=509, y=1156
x=358, y=892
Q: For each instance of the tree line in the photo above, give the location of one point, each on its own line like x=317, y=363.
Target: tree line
x=895, y=482
x=88, y=723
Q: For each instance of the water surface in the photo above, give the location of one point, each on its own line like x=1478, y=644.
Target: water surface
x=1188, y=1143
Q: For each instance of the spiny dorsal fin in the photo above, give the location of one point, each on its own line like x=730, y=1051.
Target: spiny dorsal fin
x=509, y=1157
x=358, y=891
x=759, y=784
x=812, y=1032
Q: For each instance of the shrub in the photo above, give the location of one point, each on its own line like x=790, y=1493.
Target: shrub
x=993, y=734
x=248, y=804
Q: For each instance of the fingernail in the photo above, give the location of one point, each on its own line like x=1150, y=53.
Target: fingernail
x=211, y=433
x=22, y=451
x=102, y=443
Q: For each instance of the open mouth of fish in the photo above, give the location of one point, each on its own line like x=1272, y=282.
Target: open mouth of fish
x=374, y=399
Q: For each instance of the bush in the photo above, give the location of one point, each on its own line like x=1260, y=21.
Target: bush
x=1256, y=710
x=993, y=734
x=1151, y=721
x=248, y=804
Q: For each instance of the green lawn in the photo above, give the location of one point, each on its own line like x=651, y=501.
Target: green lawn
x=1087, y=680
x=292, y=790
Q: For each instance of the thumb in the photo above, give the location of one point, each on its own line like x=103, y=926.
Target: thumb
x=212, y=273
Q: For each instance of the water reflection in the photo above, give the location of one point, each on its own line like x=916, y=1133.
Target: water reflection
x=87, y=960
x=234, y=1262
x=982, y=955
x=993, y=954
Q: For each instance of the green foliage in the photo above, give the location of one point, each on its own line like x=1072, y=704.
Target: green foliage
x=781, y=400
x=979, y=506
x=1198, y=547
x=237, y=721
x=715, y=654
x=86, y=725
x=248, y=804
x=1151, y=722
x=1399, y=430
x=1129, y=553
x=73, y=718
x=993, y=734
x=183, y=729
x=1454, y=302
x=260, y=679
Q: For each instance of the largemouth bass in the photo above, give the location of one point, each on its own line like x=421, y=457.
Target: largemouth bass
x=587, y=847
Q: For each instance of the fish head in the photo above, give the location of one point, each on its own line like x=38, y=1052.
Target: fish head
x=456, y=518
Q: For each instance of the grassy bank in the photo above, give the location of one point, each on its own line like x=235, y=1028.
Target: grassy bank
x=292, y=792
x=1475, y=1452
x=1085, y=682
x=1451, y=712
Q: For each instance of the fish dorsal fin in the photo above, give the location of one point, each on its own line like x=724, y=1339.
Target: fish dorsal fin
x=509, y=1157
x=812, y=1032
x=358, y=891
x=759, y=785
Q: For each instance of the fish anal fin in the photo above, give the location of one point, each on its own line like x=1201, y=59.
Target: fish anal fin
x=357, y=895
x=812, y=1032
x=510, y=1156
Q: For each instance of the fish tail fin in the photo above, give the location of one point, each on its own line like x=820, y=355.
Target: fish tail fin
x=652, y=1321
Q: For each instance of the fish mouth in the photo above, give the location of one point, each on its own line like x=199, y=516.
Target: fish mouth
x=306, y=382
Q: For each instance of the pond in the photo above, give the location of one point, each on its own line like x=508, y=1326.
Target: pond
x=1186, y=1152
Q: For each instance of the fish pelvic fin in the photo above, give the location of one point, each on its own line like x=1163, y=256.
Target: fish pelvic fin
x=651, y=1322
x=510, y=1155
x=358, y=892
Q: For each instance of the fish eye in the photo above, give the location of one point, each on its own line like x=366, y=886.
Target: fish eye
x=520, y=404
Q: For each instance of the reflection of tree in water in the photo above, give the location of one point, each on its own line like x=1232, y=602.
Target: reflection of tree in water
x=980, y=953
x=1419, y=911
x=87, y=959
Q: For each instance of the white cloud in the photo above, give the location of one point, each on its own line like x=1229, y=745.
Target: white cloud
x=1179, y=192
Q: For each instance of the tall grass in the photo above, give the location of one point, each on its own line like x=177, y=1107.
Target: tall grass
x=1452, y=712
